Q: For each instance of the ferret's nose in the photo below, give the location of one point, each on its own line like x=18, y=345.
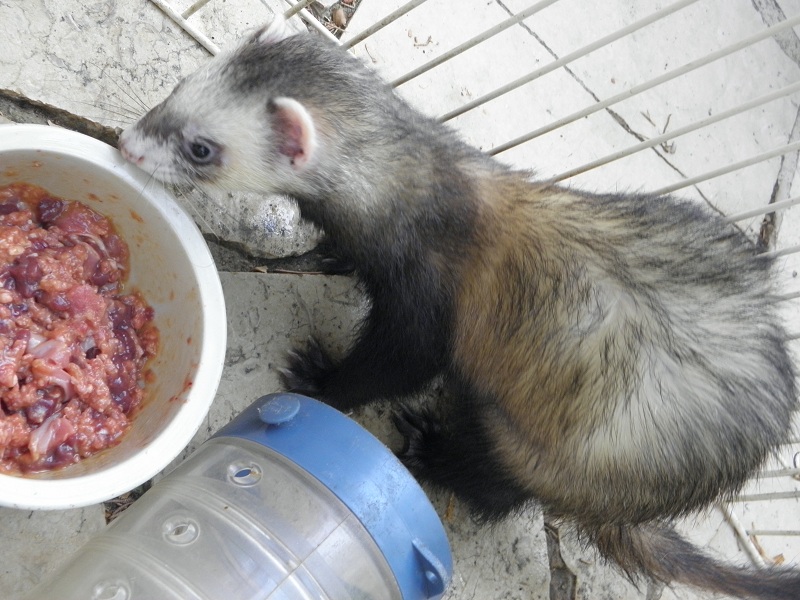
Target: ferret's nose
x=136, y=159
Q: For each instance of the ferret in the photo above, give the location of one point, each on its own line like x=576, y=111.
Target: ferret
x=617, y=359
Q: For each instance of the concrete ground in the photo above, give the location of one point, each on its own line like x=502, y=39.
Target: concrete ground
x=73, y=62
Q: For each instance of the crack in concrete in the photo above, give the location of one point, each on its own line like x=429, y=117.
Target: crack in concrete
x=789, y=42
x=563, y=582
x=772, y=14
x=613, y=114
x=780, y=191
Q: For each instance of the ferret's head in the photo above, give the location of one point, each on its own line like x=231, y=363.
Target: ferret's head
x=227, y=125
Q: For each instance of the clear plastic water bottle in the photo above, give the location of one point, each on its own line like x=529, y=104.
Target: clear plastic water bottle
x=291, y=500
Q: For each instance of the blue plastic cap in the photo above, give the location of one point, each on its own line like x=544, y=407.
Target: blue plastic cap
x=365, y=475
x=279, y=409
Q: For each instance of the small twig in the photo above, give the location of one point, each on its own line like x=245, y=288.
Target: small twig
x=451, y=506
x=287, y=271
x=669, y=116
x=368, y=53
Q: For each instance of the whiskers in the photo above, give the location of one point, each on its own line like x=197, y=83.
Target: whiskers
x=134, y=104
x=189, y=198
x=151, y=181
x=121, y=109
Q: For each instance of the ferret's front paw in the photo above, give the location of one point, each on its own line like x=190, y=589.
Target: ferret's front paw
x=336, y=265
x=422, y=434
x=333, y=263
x=307, y=370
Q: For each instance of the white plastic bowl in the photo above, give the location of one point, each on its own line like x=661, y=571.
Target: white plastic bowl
x=171, y=265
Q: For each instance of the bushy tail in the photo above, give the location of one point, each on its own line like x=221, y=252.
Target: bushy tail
x=658, y=551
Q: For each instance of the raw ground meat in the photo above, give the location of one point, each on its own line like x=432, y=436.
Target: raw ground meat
x=73, y=348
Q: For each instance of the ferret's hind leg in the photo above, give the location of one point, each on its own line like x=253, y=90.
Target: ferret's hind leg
x=306, y=368
x=454, y=451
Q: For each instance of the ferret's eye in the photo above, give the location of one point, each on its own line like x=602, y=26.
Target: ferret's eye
x=201, y=151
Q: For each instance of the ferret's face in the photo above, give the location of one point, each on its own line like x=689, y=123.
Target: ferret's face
x=199, y=136
x=213, y=131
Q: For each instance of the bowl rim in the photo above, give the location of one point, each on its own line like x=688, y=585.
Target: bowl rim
x=88, y=489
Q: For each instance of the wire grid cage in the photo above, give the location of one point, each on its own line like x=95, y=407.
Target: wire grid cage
x=695, y=97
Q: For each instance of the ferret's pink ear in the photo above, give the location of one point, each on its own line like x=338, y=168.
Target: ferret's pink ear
x=294, y=131
x=274, y=31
